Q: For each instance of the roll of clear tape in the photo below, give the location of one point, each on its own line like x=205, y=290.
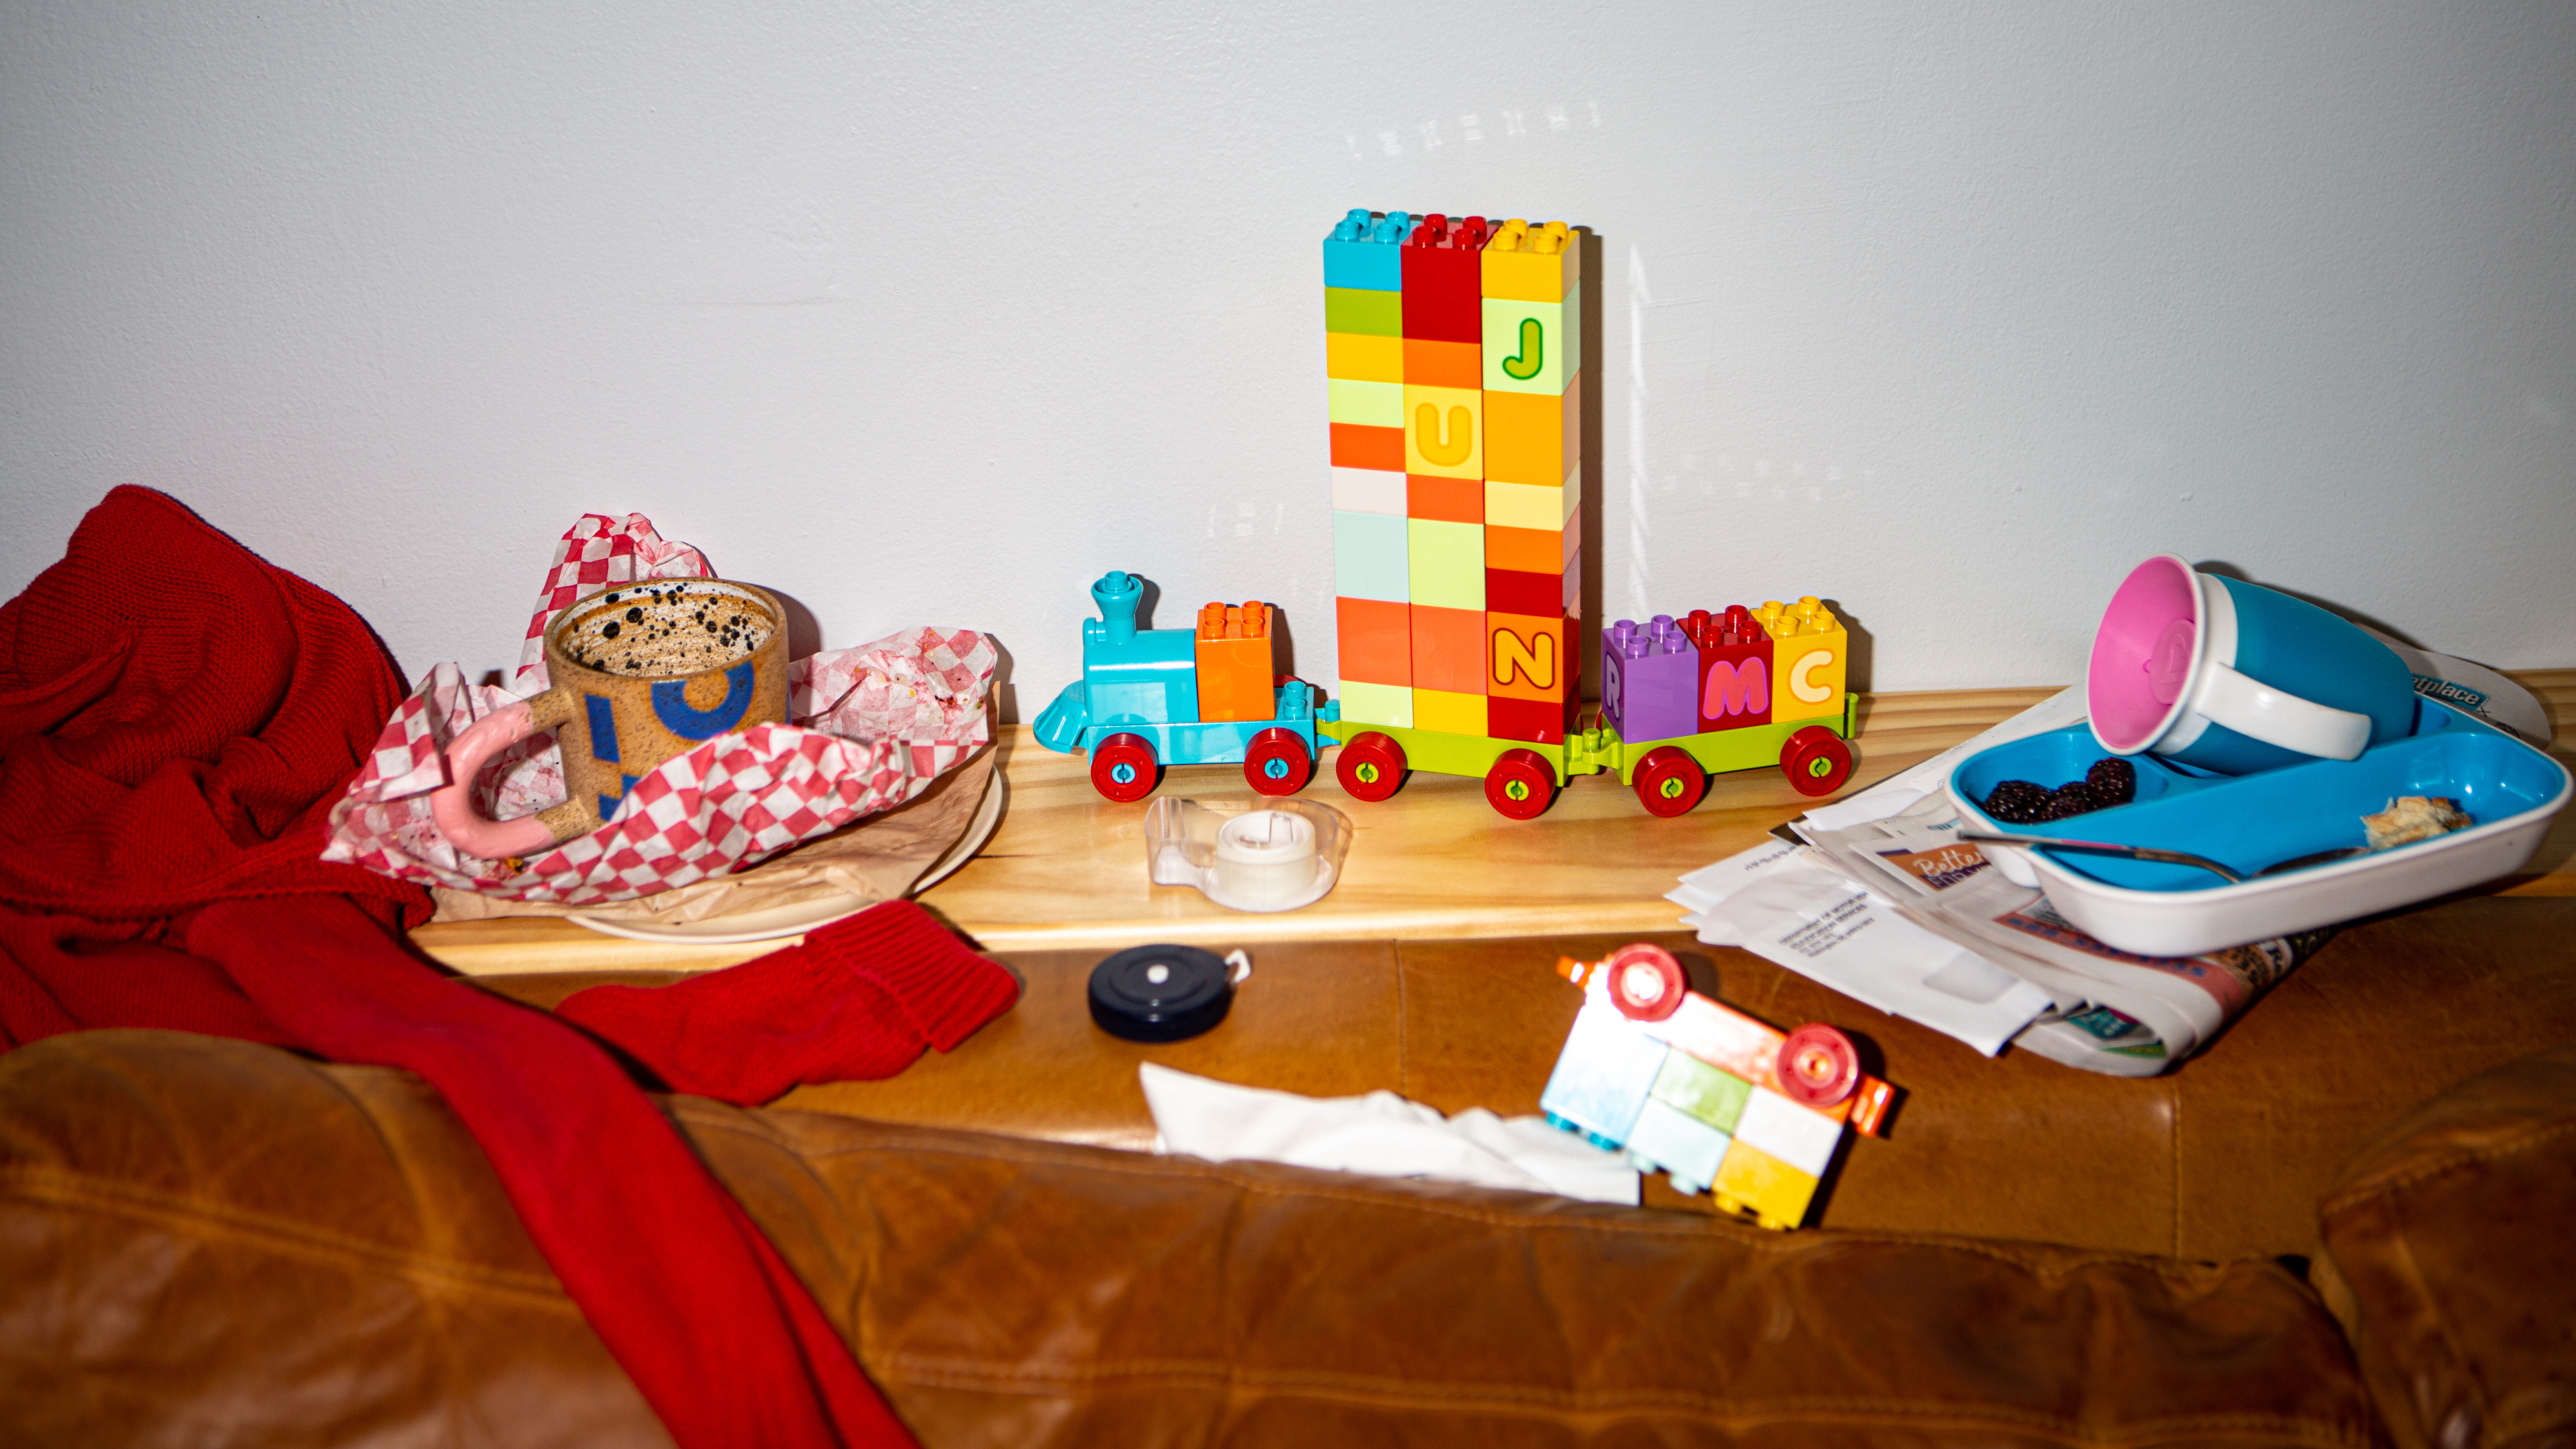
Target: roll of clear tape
x=1265, y=858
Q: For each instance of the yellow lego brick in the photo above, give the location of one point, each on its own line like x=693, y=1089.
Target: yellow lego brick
x=1538, y=263
x=1448, y=713
x=1810, y=652
x=1371, y=404
x=1360, y=357
x=1524, y=505
x=1444, y=431
x=1234, y=657
x=1754, y=1182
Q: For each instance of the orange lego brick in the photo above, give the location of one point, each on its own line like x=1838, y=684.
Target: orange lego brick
x=1529, y=657
x=1234, y=657
x=1376, y=639
x=1429, y=363
x=1448, y=650
x=1357, y=445
x=1530, y=550
x=1532, y=438
x=1451, y=500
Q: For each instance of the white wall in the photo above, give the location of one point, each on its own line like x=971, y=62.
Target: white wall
x=1949, y=313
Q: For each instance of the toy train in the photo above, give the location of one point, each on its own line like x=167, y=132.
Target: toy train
x=1681, y=699
x=1712, y=1098
x=1202, y=695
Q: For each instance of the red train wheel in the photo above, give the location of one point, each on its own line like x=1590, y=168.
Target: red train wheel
x=1122, y=768
x=1818, y=1066
x=1370, y=767
x=1520, y=785
x=1816, y=761
x=1646, y=983
x=1669, y=781
x=1276, y=762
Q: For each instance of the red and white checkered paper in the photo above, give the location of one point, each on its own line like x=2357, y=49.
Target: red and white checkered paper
x=896, y=714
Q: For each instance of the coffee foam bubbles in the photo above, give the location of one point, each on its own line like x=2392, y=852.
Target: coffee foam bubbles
x=667, y=627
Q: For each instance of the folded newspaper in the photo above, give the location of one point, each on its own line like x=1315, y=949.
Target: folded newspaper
x=1877, y=897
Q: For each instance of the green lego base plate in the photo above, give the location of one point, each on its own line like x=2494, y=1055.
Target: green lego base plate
x=1594, y=750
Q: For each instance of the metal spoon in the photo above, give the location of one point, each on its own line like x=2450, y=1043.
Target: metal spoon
x=2170, y=857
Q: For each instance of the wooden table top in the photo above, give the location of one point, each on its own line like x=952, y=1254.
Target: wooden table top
x=1066, y=869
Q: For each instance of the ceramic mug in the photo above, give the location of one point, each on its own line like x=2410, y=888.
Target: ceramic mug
x=641, y=673
x=2234, y=678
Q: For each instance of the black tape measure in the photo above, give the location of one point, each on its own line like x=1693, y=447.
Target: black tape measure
x=1160, y=993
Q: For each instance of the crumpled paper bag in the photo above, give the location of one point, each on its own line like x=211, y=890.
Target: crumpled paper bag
x=875, y=726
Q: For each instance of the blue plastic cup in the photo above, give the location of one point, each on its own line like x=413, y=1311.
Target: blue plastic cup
x=2235, y=678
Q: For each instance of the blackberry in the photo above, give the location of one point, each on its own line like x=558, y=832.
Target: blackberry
x=2072, y=798
x=2018, y=802
x=2114, y=780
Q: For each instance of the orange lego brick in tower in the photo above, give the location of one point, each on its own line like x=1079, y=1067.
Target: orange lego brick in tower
x=1235, y=662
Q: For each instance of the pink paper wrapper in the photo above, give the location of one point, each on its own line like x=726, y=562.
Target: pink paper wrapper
x=896, y=714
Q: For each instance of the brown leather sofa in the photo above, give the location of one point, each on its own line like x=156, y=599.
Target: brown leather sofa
x=2346, y=1223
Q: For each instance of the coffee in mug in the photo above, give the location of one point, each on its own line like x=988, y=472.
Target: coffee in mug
x=641, y=673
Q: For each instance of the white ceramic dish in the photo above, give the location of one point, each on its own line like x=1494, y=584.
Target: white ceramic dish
x=794, y=920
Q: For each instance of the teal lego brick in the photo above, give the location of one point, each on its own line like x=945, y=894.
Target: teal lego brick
x=1364, y=251
x=1602, y=1075
x=1370, y=557
x=1677, y=1144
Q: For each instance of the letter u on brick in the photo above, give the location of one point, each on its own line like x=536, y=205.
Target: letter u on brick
x=1450, y=448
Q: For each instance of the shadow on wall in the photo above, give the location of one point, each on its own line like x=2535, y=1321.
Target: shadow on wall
x=1863, y=649
x=1587, y=633
x=2228, y=570
x=1006, y=693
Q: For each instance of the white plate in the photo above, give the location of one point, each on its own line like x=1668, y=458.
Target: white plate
x=741, y=927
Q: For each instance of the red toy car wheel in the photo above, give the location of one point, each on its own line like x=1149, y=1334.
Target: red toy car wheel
x=1818, y=1066
x=1669, y=781
x=1520, y=785
x=1371, y=766
x=1816, y=761
x=1645, y=982
x=1123, y=768
x=1276, y=762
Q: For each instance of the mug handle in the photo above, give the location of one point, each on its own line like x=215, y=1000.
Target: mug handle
x=2258, y=711
x=452, y=805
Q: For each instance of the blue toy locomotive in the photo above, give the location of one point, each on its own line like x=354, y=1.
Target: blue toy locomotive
x=1199, y=696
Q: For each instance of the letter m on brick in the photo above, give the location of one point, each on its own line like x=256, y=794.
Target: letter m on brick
x=1735, y=689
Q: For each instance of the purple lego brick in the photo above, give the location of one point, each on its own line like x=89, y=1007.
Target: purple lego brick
x=1658, y=675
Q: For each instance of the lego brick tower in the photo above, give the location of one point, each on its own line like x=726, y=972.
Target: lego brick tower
x=1453, y=357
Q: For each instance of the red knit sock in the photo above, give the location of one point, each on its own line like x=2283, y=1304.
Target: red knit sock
x=857, y=1001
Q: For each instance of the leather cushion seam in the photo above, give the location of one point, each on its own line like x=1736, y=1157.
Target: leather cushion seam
x=55, y=1187
x=2451, y=1161
x=946, y=1372
x=2165, y=1269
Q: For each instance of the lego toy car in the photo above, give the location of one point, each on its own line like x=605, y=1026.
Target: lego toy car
x=1717, y=1101
x=1203, y=695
